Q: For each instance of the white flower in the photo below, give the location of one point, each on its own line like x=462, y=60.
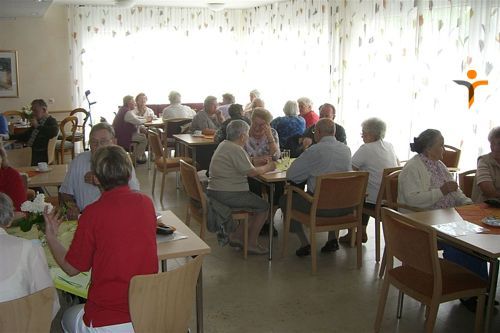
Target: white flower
x=37, y=206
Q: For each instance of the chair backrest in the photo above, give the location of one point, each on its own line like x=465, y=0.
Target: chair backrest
x=410, y=242
x=32, y=313
x=174, y=126
x=68, y=127
x=466, y=182
x=19, y=157
x=382, y=196
x=340, y=190
x=391, y=189
x=451, y=156
x=191, y=183
x=155, y=144
x=83, y=115
x=163, y=302
x=51, y=150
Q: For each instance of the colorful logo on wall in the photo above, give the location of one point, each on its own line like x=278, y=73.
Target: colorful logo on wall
x=471, y=86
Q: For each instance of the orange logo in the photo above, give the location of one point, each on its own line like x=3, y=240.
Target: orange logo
x=471, y=86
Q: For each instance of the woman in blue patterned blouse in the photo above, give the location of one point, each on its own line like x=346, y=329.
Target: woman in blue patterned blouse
x=290, y=125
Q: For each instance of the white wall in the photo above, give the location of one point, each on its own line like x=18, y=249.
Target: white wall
x=43, y=58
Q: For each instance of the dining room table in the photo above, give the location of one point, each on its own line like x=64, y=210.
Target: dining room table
x=464, y=227
x=194, y=143
x=53, y=176
x=181, y=244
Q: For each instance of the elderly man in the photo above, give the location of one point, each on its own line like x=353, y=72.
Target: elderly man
x=235, y=113
x=176, y=109
x=327, y=156
x=306, y=112
x=325, y=111
x=78, y=189
x=43, y=128
x=209, y=119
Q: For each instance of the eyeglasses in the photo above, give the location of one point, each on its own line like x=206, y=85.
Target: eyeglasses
x=101, y=142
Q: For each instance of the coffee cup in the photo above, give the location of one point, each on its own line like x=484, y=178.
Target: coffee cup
x=197, y=133
x=43, y=166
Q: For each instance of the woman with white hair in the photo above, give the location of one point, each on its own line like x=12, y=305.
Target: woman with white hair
x=24, y=266
x=253, y=95
x=374, y=156
x=228, y=184
x=306, y=111
x=290, y=125
x=487, y=182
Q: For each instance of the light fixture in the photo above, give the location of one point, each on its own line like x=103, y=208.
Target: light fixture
x=216, y=6
x=125, y=3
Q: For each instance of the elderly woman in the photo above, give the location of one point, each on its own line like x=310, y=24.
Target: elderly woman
x=290, y=125
x=487, y=182
x=426, y=183
x=141, y=111
x=263, y=141
x=129, y=129
x=306, y=111
x=228, y=184
x=374, y=156
x=24, y=266
x=11, y=182
x=115, y=238
x=176, y=109
x=254, y=94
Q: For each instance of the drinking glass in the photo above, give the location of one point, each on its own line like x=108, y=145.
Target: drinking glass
x=285, y=156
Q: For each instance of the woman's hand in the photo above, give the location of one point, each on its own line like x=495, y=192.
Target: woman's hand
x=261, y=160
x=52, y=222
x=448, y=187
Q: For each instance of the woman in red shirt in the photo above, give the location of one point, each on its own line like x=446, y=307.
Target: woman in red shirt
x=116, y=238
x=11, y=182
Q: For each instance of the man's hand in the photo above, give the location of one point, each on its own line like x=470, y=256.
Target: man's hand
x=89, y=178
x=306, y=142
x=34, y=122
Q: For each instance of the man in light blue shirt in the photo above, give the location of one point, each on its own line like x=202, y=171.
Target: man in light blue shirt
x=327, y=156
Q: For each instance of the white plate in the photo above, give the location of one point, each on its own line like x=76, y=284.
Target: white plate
x=47, y=170
x=492, y=221
x=198, y=135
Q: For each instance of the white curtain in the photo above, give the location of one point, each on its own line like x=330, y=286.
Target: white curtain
x=392, y=59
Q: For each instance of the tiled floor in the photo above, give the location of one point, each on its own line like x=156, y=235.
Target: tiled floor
x=256, y=295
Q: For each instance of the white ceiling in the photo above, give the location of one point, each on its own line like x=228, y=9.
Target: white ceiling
x=37, y=8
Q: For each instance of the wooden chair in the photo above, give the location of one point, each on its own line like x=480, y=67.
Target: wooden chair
x=375, y=213
x=451, y=157
x=163, y=302
x=51, y=150
x=14, y=116
x=333, y=191
x=80, y=133
x=422, y=275
x=67, y=142
x=162, y=163
x=466, y=182
x=28, y=314
x=20, y=157
x=172, y=127
x=197, y=205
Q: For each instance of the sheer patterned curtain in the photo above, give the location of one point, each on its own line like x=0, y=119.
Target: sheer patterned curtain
x=280, y=49
x=397, y=60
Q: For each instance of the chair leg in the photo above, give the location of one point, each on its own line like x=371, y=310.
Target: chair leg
x=154, y=182
x=245, y=237
x=382, y=265
x=314, y=252
x=286, y=230
x=162, y=186
x=478, y=327
x=203, y=227
x=399, y=312
x=381, y=305
x=359, y=247
x=354, y=233
x=188, y=216
x=377, y=239
x=431, y=318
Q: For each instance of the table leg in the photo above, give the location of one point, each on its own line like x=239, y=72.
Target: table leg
x=199, y=302
x=164, y=265
x=193, y=149
x=494, y=263
x=271, y=220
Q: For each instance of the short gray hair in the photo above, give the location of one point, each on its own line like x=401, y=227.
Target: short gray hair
x=375, y=127
x=229, y=98
x=6, y=210
x=102, y=126
x=306, y=101
x=325, y=126
x=209, y=100
x=291, y=108
x=112, y=166
x=235, y=129
x=494, y=133
x=174, y=97
x=127, y=99
x=256, y=93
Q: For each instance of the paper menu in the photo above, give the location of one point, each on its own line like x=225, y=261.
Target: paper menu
x=459, y=228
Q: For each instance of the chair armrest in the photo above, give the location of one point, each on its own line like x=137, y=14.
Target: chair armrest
x=299, y=191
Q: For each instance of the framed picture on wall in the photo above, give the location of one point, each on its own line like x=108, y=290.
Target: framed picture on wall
x=9, y=82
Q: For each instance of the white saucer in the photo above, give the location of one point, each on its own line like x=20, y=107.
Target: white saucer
x=492, y=221
x=198, y=135
x=47, y=170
